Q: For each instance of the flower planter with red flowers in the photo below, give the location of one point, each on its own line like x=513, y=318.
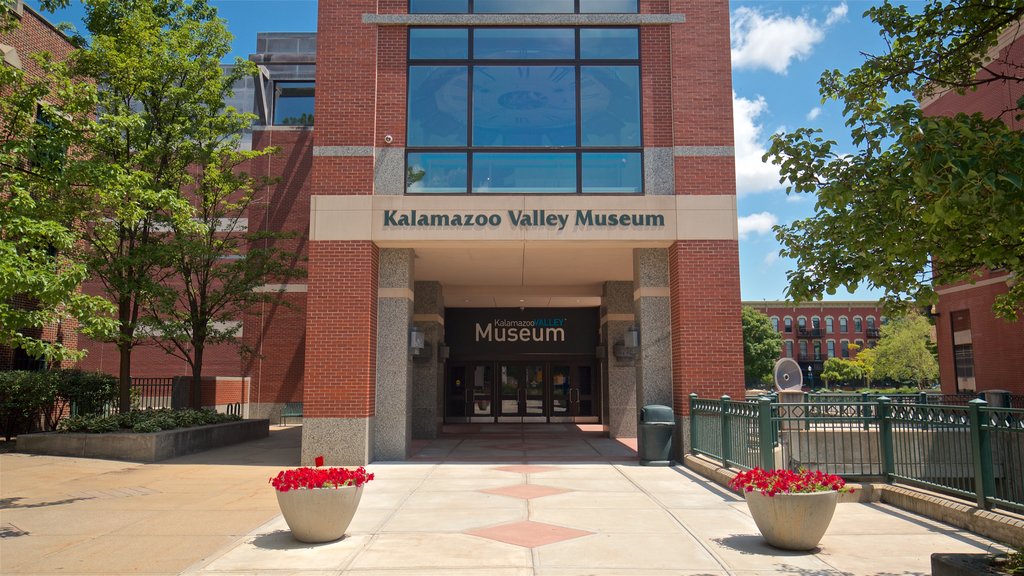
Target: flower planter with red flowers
x=318, y=503
x=791, y=509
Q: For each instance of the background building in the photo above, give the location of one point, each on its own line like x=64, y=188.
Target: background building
x=978, y=351
x=814, y=332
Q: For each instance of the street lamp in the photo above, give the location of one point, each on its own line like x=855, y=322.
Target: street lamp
x=810, y=376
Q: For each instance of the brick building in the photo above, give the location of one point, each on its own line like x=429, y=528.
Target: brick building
x=511, y=212
x=816, y=331
x=33, y=34
x=978, y=351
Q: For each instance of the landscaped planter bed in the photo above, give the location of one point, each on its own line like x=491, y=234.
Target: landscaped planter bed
x=144, y=447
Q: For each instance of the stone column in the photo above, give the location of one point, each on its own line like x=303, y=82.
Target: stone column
x=428, y=371
x=393, y=435
x=653, y=316
x=616, y=318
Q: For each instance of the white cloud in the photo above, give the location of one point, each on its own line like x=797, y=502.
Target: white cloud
x=771, y=258
x=814, y=113
x=752, y=174
x=760, y=224
x=773, y=41
x=836, y=14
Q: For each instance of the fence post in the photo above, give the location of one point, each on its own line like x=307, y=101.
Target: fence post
x=922, y=398
x=984, y=481
x=765, y=433
x=885, y=436
x=864, y=398
x=726, y=432
x=693, y=424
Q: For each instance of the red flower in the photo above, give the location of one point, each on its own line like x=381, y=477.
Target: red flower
x=772, y=482
x=319, y=461
x=319, y=478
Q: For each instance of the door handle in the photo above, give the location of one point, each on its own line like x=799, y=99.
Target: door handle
x=574, y=399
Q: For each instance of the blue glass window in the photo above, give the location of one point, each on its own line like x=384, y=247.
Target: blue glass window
x=438, y=6
x=524, y=6
x=610, y=105
x=438, y=44
x=520, y=106
x=612, y=173
x=293, y=103
x=609, y=43
x=524, y=43
x=439, y=173
x=608, y=6
x=438, y=105
x=524, y=173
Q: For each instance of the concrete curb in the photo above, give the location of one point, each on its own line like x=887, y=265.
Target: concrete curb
x=1003, y=528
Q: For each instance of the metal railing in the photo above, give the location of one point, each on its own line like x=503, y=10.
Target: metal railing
x=146, y=394
x=973, y=451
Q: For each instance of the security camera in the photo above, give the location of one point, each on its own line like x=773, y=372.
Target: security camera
x=389, y=139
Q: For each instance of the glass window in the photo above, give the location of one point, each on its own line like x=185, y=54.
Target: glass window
x=524, y=7
x=610, y=105
x=438, y=6
x=613, y=173
x=789, y=348
x=775, y=323
x=858, y=324
x=831, y=348
x=609, y=44
x=844, y=348
x=438, y=44
x=816, y=323
x=293, y=103
x=440, y=173
x=828, y=324
x=843, y=324
x=608, y=6
x=524, y=44
x=521, y=106
x=789, y=324
x=803, y=349
x=817, y=350
x=871, y=322
x=438, y=101
x=802, y=323
x=526, y=173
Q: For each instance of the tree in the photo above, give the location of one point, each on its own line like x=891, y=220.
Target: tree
x=922, y=200
x=158, y=63
x=858, y=369
x=761, y=345
x=904, y=351
x=41, y=266
x=218, y=265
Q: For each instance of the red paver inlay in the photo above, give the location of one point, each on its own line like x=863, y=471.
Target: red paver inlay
x=526, y=491
x=527, y=469
x=528, y=534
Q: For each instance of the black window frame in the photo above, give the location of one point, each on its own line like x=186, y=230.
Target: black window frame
x=579, y=150
x=576, y=10
x=274, y=99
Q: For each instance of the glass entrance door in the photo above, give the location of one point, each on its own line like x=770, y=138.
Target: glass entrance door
x=521, y=392
x=572, y=393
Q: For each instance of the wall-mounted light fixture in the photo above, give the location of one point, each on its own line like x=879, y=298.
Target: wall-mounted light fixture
x=417, y=340
x=626, y=349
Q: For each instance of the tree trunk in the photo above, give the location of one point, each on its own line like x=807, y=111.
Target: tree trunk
x=197, y=376
x=125, y=385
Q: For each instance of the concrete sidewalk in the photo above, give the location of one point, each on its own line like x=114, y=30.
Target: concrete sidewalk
x=513, y=501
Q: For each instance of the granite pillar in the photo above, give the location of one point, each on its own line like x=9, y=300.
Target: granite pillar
x=428, y=370
x=393, y=422
x=616, y=318
x=653, y=316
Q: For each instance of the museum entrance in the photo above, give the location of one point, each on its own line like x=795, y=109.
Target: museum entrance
x=522, y=365
x=562, y=390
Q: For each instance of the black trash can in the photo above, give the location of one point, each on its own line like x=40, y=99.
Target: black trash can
x=654, y=435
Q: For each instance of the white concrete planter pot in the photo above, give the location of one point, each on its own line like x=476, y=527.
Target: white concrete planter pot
x=793, y=521
x=319, y=515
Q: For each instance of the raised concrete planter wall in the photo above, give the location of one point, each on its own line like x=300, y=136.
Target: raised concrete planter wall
x=146, y=447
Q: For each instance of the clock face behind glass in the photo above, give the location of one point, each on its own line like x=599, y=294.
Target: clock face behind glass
x=526, y=97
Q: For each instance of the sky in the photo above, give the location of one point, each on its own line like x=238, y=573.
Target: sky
x=779, y=50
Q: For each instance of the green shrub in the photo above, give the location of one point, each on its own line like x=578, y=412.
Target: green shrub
x=24, y=398
x=88, y=392
x=144, y=421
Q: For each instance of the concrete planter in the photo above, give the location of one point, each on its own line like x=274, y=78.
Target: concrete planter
x=319, y=515
x=793, y=521
x=144, y=447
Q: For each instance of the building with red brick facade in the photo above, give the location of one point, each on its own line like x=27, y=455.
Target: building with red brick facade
x=32, y=35
x=510, y=212
x=978, y=351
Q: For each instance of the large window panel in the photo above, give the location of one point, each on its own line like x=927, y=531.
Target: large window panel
x=524, y=7
x=612, y=173
x=293, y=103
x=524, y=173
x=438, y=6
x=610, y=105
x=436, y=173
x=438, y=44
x=438, y=105
x=609, y=44
x=608, y=6
x=520, y=106
x=524, y=44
